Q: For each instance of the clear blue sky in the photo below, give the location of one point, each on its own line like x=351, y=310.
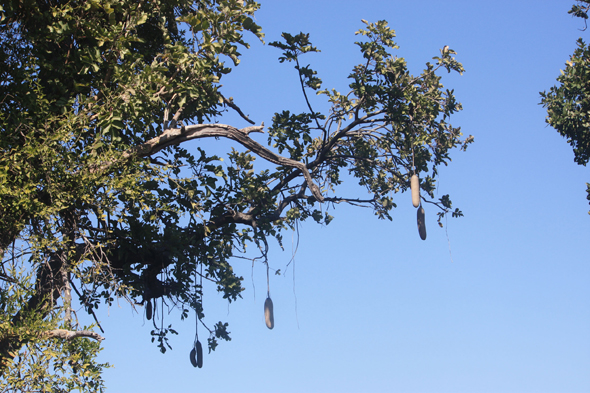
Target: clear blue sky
x=369, y=307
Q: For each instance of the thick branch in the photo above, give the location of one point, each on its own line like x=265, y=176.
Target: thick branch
x=47, y=288
x=177, y=136
x=68, y=334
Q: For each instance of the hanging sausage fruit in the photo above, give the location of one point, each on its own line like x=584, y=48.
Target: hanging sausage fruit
x=421, y=223
x=268, y=313
x=196, y=355
x=148, y=310
x=415, y=187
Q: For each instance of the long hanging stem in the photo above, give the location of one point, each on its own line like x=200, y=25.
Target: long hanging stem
x=267, y=280
x=413, y=164
x=412, y=144
x=196, y=312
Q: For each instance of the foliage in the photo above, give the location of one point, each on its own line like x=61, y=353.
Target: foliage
x=580, y=9
x=99, y=197
x=568, y=105
x=43, y=364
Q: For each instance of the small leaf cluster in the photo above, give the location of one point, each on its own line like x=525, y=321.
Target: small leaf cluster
x=568, y=104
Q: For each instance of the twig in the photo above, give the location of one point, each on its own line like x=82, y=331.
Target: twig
x=235, y=108
x=88, y=309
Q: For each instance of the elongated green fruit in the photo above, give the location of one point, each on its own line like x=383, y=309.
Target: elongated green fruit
x=199, y=354
x=193, y=357
x=415, y=186
x=421, y=223
x=269, y=317
x=148, y=310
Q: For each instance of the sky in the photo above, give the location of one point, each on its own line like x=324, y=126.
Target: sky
x=497, y=301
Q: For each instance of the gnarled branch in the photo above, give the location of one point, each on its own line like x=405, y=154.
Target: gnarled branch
x=176, y=136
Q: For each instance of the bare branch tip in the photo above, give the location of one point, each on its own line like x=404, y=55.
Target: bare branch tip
x=248, y=130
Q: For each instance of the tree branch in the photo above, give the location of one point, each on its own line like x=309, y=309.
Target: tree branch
x=176, y=136
x=69, y=334
x=350, y=200
x=236, y=108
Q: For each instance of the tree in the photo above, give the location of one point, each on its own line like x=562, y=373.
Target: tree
x=101, y=198
x=568, y=105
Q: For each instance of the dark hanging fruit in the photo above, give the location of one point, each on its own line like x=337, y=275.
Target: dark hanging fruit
x=421, y=223
x=415, y=186
x=193, y=357
x=148, y=310
x=199, y=355
x=268, y=313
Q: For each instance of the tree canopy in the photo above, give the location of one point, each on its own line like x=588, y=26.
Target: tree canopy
x=568, y=105
x=103, y=195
